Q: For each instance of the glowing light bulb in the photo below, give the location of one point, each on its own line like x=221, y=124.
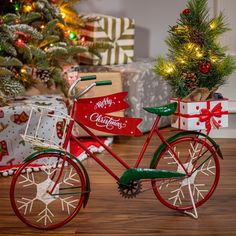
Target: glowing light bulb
x=23, y=70
x=28, y=8
x=169, y=68
x=42, y=26
x=190, y=46
x=213, y=25
x=20, y=42
x=82, y=39
x=181, y=60
x=72, y=36
x=213, y=58
x=17, y=6
x=199, y=54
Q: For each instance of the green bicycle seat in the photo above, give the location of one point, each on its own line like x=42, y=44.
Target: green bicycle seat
x=164, y=110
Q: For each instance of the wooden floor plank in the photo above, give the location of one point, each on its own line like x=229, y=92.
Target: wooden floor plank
x=107, y=213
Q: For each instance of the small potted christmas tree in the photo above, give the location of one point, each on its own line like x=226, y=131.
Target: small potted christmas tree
x=196, y=64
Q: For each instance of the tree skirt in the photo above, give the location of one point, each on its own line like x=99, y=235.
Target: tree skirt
x=93, y=146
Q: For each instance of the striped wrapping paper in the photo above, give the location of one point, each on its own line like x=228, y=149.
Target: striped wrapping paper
x=118, y=32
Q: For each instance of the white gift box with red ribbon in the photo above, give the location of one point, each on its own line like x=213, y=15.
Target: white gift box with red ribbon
x=200, y=115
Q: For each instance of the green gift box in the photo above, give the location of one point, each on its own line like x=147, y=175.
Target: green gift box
x=118, y=32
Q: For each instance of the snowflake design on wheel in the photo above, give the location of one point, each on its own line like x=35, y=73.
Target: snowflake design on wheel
x=197, y=190
x=42, y=193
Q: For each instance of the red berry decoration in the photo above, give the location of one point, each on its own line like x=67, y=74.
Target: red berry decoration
x=186, y=11
x=205, y=67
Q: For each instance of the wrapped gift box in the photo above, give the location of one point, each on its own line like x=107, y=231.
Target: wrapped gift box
x=201, y=115
x=144, y=88
x=13, y=121
x=117, y=32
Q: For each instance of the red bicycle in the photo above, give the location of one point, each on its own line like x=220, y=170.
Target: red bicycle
x=52, y=185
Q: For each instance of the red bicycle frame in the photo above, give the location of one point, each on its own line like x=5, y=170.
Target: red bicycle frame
x=154, y=129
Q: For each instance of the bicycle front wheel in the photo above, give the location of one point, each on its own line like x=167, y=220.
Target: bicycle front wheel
x=202, y=165
x=31, y=193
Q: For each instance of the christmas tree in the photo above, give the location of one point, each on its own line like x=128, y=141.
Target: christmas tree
x=35, y=35
x=195, y=59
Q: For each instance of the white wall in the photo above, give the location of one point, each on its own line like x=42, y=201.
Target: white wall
x=228, y=7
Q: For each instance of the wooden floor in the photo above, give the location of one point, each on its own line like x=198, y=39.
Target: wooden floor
x=107, y=213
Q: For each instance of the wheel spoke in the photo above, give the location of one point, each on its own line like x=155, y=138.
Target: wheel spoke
x=199, y=159
x=32, y=201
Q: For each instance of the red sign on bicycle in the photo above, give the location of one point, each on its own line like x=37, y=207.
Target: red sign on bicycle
x=92, y=112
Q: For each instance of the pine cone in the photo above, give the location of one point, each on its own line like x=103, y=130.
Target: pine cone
x=190, y=80
x=43, y=75
x=196, y=37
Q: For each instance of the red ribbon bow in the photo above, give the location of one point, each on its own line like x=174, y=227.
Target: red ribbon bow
x=208, y=116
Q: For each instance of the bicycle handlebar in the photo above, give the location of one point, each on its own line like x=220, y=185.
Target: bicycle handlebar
x=84, y=78
x=88, y=77
x=104, y=82
x=71, y=92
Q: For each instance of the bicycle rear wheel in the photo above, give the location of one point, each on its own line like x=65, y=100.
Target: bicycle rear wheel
x=31, y=185
x=202, y=165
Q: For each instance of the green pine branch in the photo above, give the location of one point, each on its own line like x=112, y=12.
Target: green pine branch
x=50, y=39
x=11, y=87
x=26, y=53
x=40, y=59
x=29, y=17
x=199, y=12
x=4, y=72
x=50, y=27
x=10, y=18
x=9, y=61
x=57, y=52
x=57, y=77
x=28, y=30
x=73, y=50
x=8, y=47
